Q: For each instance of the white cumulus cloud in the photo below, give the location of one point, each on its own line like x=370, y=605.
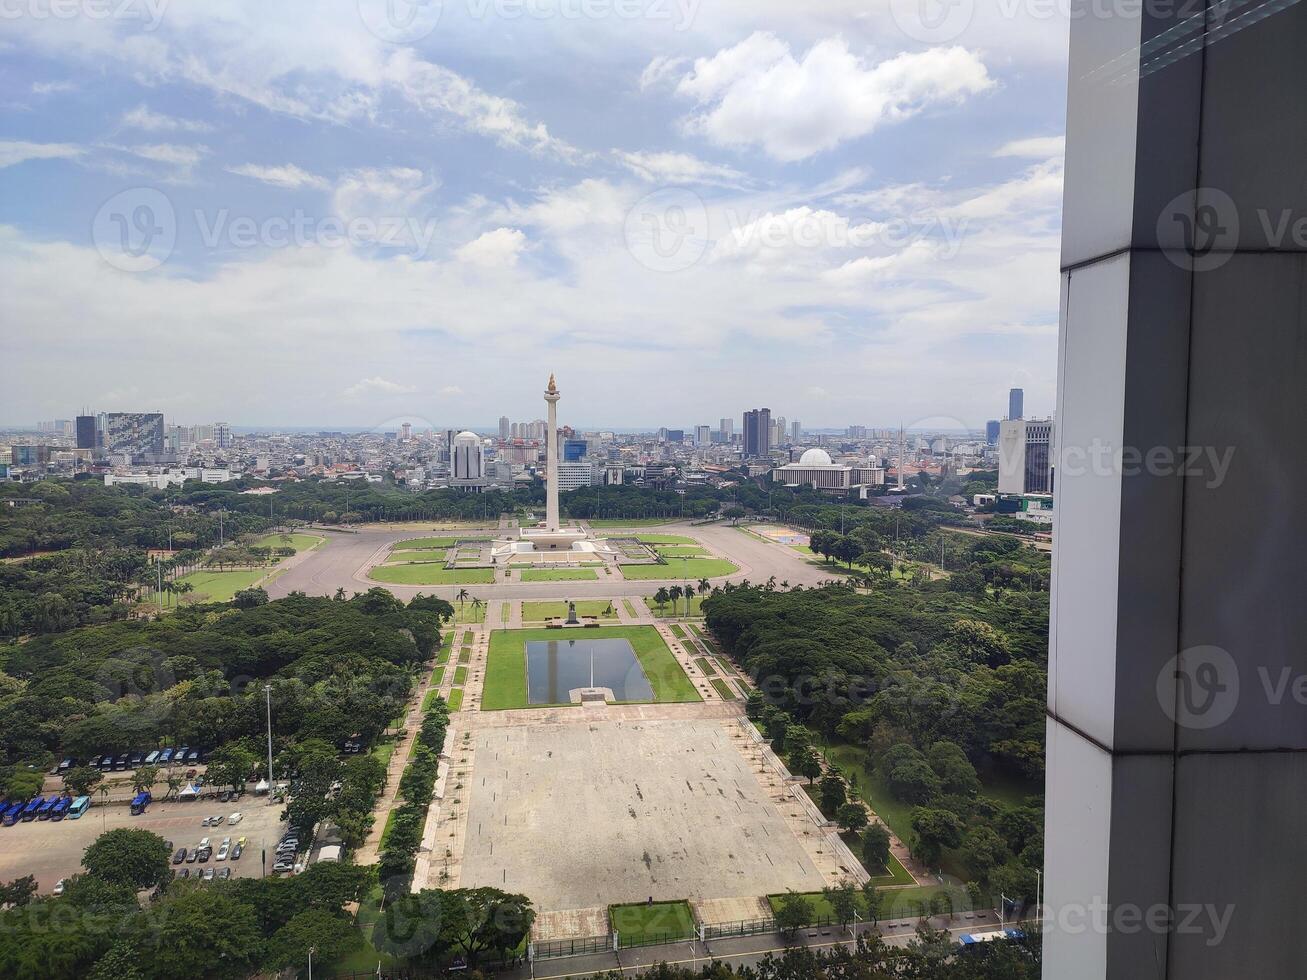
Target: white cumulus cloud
x=494, y=249
x=758, y=93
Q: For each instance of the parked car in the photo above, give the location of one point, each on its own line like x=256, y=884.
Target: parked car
x=193, y=856
x=283, y=866
x=184, y=873
x=217, y=821
x=59, y=887
x=180, y=856
x=205, y=854
x=235, y=818
x=237, y=849
x=208, y=874
x=224, y=874
x=223, y=850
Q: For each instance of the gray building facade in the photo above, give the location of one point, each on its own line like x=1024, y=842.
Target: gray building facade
x=1177, y=758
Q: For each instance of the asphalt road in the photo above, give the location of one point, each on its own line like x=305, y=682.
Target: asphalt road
x=340, y=563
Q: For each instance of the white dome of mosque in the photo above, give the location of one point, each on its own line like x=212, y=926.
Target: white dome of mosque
x=466, y=437
x=815, y=457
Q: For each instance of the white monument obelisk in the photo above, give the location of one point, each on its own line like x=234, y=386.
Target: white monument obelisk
x=551, y=457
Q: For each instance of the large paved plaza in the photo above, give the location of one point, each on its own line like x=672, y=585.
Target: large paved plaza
x=347, y=557
x=598, y=812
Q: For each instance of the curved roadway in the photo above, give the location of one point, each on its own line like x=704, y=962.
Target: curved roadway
x=342, y=563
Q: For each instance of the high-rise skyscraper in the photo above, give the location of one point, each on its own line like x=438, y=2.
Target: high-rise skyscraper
x=86, y=432
x=1016, y=403
x=505, y=427
x=991, y=431
x=1025, y=456
x=796, y=430
x=222, y=435
x=757, y=432
x=702, y=434
x=726, y=429
x=136, y=435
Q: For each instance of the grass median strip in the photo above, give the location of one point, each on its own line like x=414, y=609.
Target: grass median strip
x=722, y=688
x=643, y=923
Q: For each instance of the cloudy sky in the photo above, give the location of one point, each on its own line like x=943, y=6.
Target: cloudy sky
x=347, y=213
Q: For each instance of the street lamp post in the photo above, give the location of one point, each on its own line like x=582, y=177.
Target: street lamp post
x=267, y=696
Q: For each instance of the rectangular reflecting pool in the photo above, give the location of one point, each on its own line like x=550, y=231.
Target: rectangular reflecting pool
x=554, y=668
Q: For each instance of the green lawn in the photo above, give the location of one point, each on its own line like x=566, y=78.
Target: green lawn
x=641, y=923
x=455, y=699
x=682, y=569
x=678, y=609
x=558, y=574
x=722, y=688
x=667, y=539
x=220, y=586
x=460, y=676
x=465, y=655
x=300, y=542
x=677, y=631
x=417, y=554
x=506, y=667
x=410, y=544
x=705, y=666
x=433, y=695
x=469, y=613
x=630, y=608
x=682, y=551
x=431, y=574
x=383, y=750
x=538, y=612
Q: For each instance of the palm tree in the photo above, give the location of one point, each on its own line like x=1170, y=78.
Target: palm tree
x=689, y=596
x=477, y=604
x=660, y=598
x=703, y=586
x=462, y=595
x=675, y=593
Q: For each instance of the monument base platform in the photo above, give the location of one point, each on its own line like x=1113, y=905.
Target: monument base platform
x=558, y=539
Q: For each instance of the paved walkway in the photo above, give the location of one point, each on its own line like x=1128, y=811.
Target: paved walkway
x=744, y=951
x=369, y=853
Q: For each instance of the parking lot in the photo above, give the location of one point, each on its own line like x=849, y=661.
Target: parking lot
x=52, y=850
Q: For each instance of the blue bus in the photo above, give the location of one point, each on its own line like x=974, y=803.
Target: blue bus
x=11, y=815
x=61, y=808
x=44, y=810
x=29, y=811
x=139, y=803
x=80, y=806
